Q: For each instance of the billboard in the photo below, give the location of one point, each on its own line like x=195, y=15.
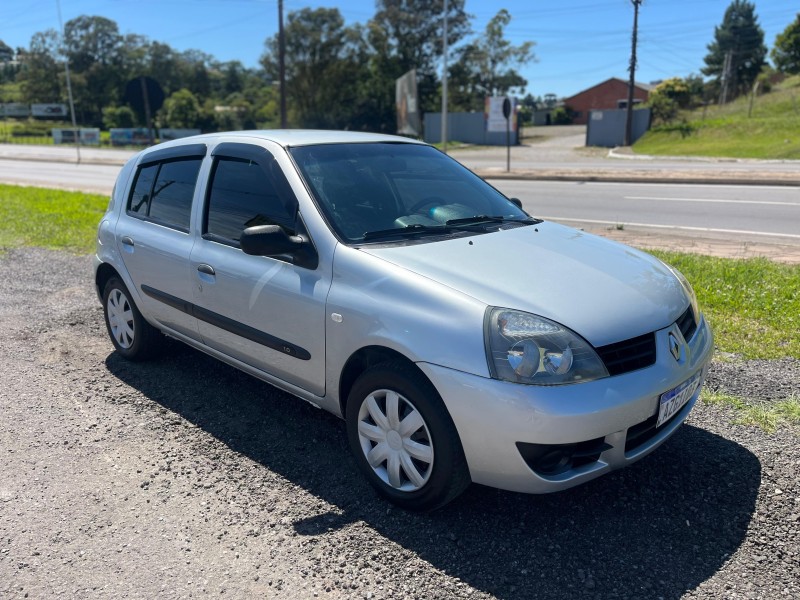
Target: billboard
x=15, y=109
x=129, y=136
x=49, y=111
x=173, y=134
x=495, y=121
x=89, y=136
x=408, y=121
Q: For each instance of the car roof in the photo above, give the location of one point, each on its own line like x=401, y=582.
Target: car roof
x=296, y=137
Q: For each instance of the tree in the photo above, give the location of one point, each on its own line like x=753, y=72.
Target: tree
x=40, y=73
x=324, y=67
x=94, y=46
x=6, y=52
x=181, y=110
x=90, y=40
x=738, y=52
x=486, y=66
x=413, y=31
x=118, y=116
x=786, y=52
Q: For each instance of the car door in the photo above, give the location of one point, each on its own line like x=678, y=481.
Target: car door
x=263, y=311
x=153, y=235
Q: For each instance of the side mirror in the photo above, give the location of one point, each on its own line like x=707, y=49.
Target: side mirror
x=517, y=202
x=269, y=240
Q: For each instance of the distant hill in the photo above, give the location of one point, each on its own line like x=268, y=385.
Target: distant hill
x=771, y=131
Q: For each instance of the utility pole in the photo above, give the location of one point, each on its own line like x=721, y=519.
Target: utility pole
x=727, y=68
x=444, y=82
x=75, y=131
x=282, y=64
x=632, y=70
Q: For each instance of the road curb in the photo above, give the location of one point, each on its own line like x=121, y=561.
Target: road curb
x=619, y=153
x=118, y=162
x=791, y=179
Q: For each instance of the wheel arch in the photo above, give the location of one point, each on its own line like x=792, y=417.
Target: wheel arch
x=103, y=273
x=361, y=360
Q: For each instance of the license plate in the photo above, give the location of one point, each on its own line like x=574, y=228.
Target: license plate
x=672, y=401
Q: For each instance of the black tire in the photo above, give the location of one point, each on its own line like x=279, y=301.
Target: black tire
x=133, y=337
x=431, y=484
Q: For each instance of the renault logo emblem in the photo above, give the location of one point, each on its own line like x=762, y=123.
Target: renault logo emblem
x=674, y=347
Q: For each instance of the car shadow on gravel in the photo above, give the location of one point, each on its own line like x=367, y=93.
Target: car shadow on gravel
x=655, y=530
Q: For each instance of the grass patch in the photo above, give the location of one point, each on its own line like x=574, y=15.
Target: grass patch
x=764, y=138
x=769, y=416
x=770, y=131
x=753, y=305
x=49, y=218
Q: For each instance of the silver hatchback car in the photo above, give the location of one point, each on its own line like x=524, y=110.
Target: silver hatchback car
x=460, y=338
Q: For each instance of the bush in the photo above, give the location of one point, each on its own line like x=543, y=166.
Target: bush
x=118, y=116
x=562, y=116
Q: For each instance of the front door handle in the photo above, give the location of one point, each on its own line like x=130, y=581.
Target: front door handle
x=206, y=269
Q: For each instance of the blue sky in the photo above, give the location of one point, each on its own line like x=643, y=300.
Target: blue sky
x=578, y=42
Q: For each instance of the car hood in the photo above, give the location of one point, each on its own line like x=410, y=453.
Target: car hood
x=603, y=290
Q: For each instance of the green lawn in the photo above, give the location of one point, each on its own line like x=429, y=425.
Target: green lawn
x=770, y=130
x=753, y=305
x=49, y=218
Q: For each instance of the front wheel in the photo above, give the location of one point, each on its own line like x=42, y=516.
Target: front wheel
x=132, y=336
x=404, y=439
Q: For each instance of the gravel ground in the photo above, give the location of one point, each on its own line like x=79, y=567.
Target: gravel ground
x=185, y=478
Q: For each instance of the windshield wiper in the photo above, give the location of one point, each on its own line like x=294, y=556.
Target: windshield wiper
x=475, y=220
x=484, y=219
x=408, y=230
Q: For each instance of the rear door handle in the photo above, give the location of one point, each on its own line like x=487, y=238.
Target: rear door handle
x=127, y=240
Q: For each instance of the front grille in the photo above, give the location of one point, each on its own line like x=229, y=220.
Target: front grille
x=687, y=324
x=629, y=355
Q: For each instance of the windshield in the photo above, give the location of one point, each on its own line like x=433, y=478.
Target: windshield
x=387, y=191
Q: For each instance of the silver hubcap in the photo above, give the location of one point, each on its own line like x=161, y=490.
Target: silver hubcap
x=120, y=318
x=395, y=440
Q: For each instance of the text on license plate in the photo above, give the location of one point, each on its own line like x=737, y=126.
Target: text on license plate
x=672, y=401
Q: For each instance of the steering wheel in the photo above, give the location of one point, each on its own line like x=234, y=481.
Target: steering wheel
x=432, y=200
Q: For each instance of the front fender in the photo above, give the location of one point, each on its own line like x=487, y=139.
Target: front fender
x=374, y=303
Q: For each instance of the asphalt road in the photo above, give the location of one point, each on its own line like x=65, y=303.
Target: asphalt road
x=62, y=175
x=746, y=213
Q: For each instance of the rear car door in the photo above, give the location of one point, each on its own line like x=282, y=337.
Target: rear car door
x=154, y=239
x=267, y=312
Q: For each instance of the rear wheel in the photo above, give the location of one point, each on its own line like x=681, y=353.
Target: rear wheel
x=132, y=336
x=404, y=439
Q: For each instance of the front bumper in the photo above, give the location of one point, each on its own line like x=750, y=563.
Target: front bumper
x=493, y=416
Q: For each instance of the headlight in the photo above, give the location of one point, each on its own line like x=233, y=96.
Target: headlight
x=525, y=348
x=689, y=292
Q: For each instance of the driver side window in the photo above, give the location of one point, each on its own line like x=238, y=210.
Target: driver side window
x=243, y=194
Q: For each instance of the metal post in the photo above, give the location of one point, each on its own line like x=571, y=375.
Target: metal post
x=444, y=81
x=632, y=69
x=75, y=131
x=282, y=64
x=148, y=117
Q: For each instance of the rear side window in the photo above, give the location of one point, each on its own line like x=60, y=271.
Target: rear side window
x=163, y=192
x=244, y=195
x=140, y=199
